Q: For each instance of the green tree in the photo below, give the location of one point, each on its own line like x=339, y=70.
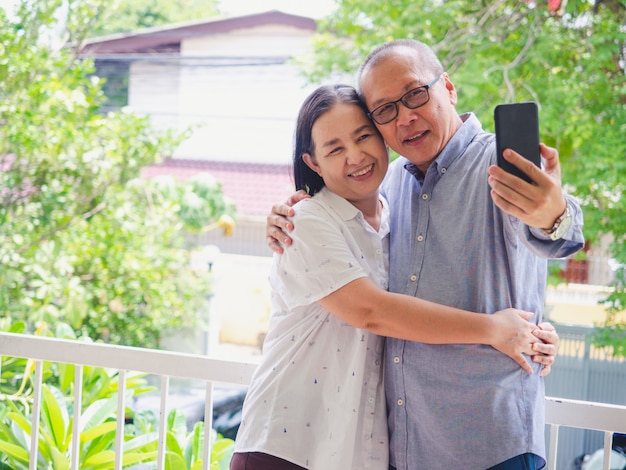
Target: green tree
x=130, y=15
x=83, y=239
x=569, y=56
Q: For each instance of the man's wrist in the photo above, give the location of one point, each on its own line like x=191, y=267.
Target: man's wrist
x=561, y=225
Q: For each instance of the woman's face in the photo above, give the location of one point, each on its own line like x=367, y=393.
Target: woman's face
x=350, y=154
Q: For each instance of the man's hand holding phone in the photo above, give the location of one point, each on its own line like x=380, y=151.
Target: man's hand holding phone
x=537, y=204
x=518, y=185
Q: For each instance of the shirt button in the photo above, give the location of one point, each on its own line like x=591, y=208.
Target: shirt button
x=370, y=399
x=424, y=196
x=377, y=362
x=396, y=360
x=400, y=402
x=413, y=278
x=378, y=252
x=443, y=170
x=420, y=238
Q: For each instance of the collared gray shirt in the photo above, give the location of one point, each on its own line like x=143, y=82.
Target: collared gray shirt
x=463, y=406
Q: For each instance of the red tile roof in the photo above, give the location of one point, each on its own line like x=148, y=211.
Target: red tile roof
x=254, y=187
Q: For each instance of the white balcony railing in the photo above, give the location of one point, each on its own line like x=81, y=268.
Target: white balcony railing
x=602, y=417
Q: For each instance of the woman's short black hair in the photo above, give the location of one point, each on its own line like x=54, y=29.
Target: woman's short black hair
x=316, y=104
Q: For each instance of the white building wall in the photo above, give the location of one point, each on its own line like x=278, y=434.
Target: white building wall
x=235, y=90
x=247, y=113
x=153, y=88
x=247, y=106
x=260, y=41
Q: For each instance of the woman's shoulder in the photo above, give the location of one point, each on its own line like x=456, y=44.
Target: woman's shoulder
x=309, y=207
x=322, y=203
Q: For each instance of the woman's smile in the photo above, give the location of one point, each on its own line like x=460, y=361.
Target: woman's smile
x=362, y=172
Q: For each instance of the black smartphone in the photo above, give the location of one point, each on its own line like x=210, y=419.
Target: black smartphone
x=517, y=128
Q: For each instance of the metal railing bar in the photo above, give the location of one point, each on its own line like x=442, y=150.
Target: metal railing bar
x=165, y=387
x=36, y=415
x=121, y=413
x=583, y=414
x=78, y=400
x=560, y=412
x=208, y=426
x=608, y=445
x=128, y=358
x=553, y=446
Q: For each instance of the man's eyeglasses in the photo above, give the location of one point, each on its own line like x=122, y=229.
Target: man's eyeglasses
x=412, y=99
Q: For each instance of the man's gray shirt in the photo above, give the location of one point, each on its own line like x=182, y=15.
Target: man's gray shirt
x=463, y=406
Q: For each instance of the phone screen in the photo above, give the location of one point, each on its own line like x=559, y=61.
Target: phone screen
x=517, y=128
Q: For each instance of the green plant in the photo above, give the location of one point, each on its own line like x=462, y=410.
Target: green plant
x=97, y=428
x=184, y=449
x=98, y=418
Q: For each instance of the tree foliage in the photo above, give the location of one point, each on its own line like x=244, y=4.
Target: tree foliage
x=568, y=56
x=83, y=239
x=130, y=15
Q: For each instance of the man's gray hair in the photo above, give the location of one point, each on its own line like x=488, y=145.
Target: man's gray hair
x=427, y=55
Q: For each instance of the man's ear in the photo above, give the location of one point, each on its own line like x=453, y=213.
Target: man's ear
x=450, y=89
x=311, y=163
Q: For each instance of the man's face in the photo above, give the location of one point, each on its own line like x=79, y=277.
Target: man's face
x=418, y=134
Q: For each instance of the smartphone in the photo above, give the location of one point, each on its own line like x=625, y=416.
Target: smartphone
x=517, y=128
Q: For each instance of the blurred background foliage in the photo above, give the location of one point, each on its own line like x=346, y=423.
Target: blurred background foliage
x=128, y=15
x=83, y=239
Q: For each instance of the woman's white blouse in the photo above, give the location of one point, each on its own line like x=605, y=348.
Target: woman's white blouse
x=317, y=397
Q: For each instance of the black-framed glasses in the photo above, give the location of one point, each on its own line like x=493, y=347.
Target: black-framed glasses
x=412, y=99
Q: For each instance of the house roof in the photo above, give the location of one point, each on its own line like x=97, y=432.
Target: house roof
x=166, y=39
x=254, y=187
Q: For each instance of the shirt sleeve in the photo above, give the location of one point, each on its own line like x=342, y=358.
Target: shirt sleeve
x=570, y=243
x=323, y=258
